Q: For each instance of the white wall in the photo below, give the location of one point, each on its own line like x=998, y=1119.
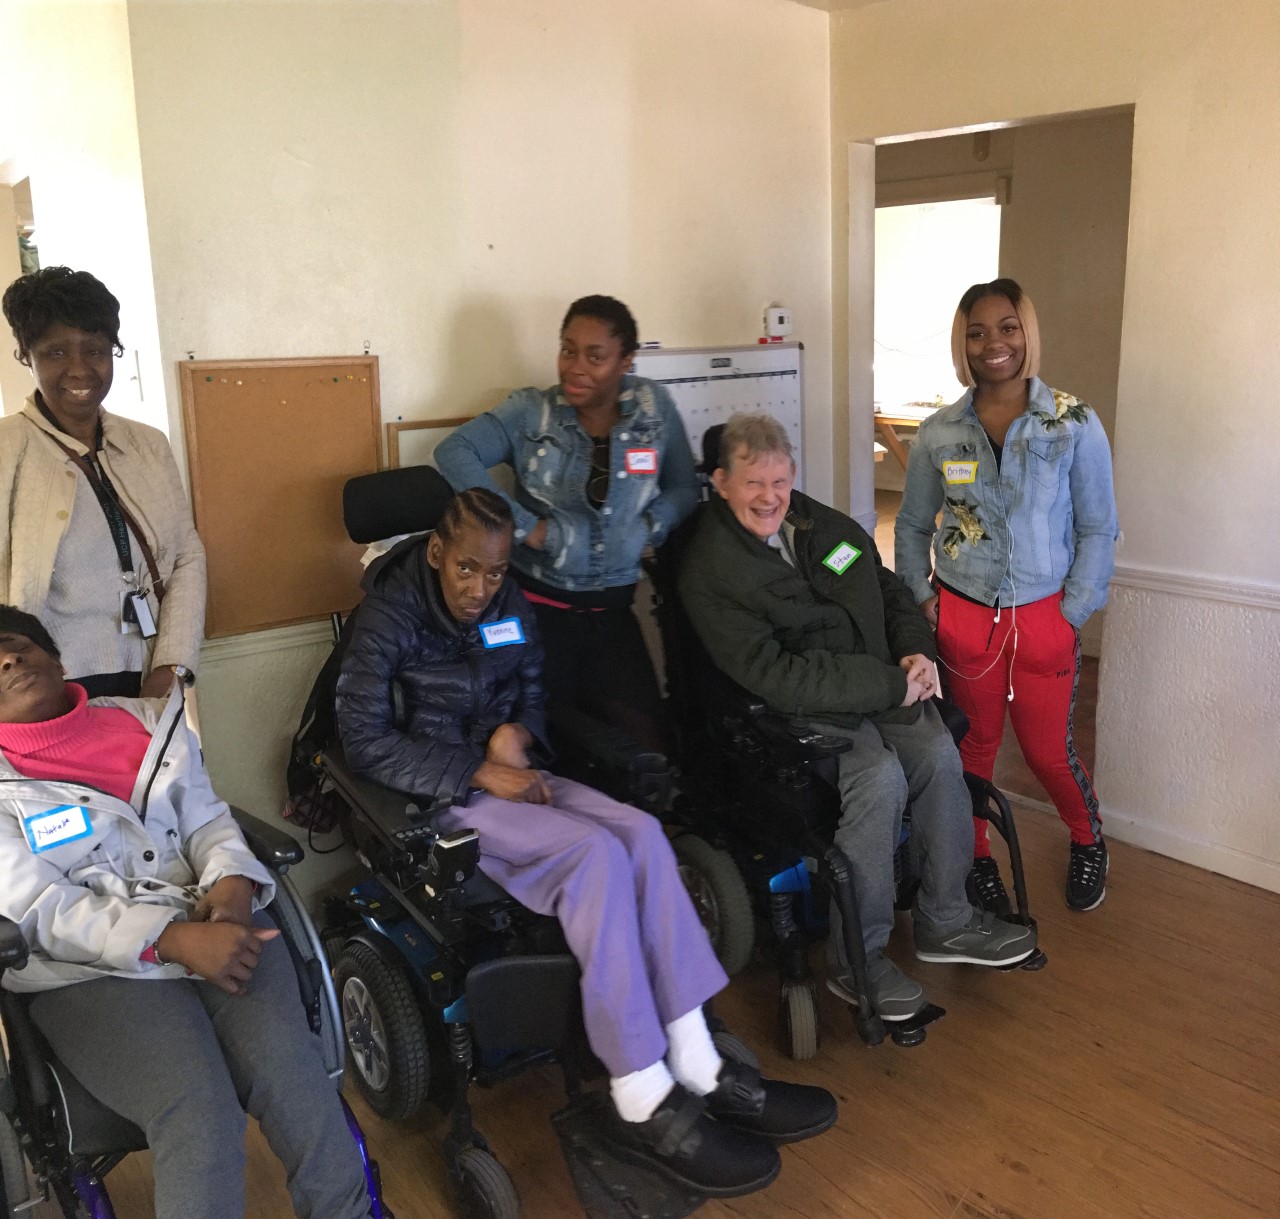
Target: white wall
x=15, y=380
x=67, y=121
x=1189, y=680
x=443, y=178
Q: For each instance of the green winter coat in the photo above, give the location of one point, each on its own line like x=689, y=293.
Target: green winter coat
x=808, y=640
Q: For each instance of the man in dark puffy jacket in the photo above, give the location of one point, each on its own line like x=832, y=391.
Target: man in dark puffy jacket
x=791, y=601
x=444, y=621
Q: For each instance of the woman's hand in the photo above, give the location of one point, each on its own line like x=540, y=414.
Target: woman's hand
x=230, y=900
x=536, y=538
x=225, y=954
x=511, y=783
x=509, y=746
x=929, y=609
x=158, y=683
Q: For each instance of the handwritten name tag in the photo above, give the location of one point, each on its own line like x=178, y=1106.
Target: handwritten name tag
x=960, y=471
x=502, y=634
x=642, y=461
x=56, y=826
x=841, y=557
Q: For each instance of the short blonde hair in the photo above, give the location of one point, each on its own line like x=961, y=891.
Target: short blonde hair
x=1022, y=308
x=758, y=434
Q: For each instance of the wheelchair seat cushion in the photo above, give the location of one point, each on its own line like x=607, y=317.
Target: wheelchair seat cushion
x=92, y=1129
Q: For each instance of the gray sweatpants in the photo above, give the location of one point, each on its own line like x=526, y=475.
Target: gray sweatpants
x=185, y=1061
x=888, y=765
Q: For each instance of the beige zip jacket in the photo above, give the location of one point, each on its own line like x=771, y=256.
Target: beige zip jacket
x=38, y=489
x=89, y=907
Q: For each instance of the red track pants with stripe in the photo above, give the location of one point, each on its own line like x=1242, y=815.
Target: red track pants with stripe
x=1033, y=652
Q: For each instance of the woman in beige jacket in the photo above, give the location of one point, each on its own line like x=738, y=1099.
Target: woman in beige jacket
x=100, y=542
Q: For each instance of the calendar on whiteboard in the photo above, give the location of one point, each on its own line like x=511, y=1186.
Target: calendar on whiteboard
x=711, y=383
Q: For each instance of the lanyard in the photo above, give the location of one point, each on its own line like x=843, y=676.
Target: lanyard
x=110, y=503
x=119, y=521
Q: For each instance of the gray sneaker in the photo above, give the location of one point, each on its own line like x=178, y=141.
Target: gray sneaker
x=983, y=940
x=896, y=996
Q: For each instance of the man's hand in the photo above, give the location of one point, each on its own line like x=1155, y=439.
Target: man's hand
x=225, y=954
x=922, y=678
x=158, y=683
x=512, y=783
x=929, y=609
x=537, y=536
x=228, y=901
x=509, y=746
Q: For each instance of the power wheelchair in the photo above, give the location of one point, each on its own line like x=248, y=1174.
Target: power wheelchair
x=443, y=980
x=58, y=1143
x=754, y=813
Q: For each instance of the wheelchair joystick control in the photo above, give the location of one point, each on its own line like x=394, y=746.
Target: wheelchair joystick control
x=451, y=861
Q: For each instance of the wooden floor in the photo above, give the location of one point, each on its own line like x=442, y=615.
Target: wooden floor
x=1136, y=1076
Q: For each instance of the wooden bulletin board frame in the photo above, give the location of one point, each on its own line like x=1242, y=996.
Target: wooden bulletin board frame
x=270, y=444
x=394, y=431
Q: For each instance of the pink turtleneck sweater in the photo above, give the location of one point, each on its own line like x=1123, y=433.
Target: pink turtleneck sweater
x=101, y=746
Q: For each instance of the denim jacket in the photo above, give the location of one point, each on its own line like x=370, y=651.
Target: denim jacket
x=1044, y=522
x=652, y=489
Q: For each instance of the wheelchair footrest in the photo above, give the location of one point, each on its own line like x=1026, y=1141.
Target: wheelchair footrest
x=1037, y=960
x=608, y=1186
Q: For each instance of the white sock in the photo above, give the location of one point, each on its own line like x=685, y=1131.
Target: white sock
x=692, y=1055
x=638, y=1095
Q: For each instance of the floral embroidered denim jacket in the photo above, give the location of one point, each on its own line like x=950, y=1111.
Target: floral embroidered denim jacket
x=1043, y=522
x=652, y=488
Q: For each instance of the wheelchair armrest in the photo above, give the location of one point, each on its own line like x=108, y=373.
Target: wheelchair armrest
x=955, y=720
x=804, y=744
x=600, y=742
x=13, y=948
x=272, y=846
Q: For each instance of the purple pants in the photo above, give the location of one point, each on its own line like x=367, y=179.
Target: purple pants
x=607, y=872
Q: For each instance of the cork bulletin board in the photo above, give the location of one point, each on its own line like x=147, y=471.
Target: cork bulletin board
x=270, y=444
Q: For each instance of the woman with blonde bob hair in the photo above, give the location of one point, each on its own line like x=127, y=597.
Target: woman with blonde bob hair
x=1020, y=559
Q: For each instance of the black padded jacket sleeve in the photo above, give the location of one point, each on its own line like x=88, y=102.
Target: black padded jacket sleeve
x=530, y=708
x=374, y=746
x=906, y=627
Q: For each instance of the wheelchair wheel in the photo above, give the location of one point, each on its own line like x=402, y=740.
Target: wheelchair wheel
x=385, y=1039
x=720, y=897
x=484, y=1189
x=800, y=1020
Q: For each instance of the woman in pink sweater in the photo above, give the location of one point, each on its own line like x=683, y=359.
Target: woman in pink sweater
x=154, y=971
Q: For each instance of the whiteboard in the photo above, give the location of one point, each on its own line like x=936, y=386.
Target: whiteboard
x=711, y=383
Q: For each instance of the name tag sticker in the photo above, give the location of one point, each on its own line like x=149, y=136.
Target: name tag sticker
x=960, y=471
x=642, y=461
x=502, y=634
x=56, y=826
x=841, y=557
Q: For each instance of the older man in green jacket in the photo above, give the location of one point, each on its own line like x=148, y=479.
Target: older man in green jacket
x=792, y=602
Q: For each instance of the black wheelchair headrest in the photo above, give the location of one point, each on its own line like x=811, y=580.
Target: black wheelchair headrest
x=391, y=502
x=711, y=448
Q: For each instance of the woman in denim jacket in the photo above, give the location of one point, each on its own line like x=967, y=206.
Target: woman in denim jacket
x=603, y=471
x=1023, y=555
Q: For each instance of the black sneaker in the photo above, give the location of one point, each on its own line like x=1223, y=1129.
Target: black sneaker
x=1087, y=876
x=986, y=890
x=781, y=1112
x=683, y=1142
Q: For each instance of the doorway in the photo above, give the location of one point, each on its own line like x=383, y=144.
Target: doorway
x=1060, y=192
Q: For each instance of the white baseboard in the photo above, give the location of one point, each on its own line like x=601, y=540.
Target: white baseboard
x=1211, y=856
